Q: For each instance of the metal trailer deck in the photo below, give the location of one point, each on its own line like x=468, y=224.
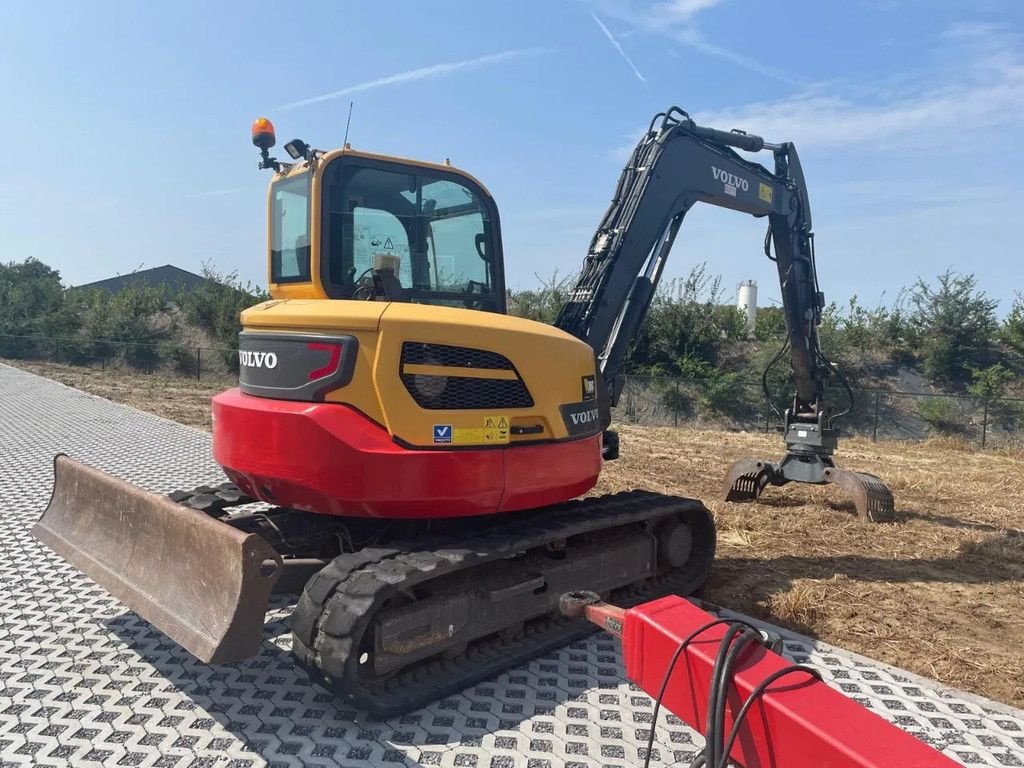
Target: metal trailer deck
x=83, y=682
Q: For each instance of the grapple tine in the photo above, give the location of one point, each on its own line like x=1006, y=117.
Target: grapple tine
x=203, y=583
x=745, y=480
x=872, y=497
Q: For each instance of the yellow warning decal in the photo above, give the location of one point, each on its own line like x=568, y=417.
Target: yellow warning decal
x=495, y=429
x=765, y=193
x=464, y=436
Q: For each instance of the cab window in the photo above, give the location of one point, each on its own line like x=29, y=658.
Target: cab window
x=442, y=230
x=289, y=230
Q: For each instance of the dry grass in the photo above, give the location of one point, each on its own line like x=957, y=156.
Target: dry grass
x=940, y=591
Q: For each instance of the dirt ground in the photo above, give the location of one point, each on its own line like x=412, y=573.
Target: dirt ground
x=940, y=591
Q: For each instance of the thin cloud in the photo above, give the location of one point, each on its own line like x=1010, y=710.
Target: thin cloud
x=622, y=53
x=680, y=11
x=676, y=19
x=691, y=38
x=940, y=116
x=423, y=73
x=951, y=108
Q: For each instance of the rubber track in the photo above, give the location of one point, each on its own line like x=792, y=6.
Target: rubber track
x=337, y=607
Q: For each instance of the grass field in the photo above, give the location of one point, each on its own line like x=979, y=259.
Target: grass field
x=940, y=591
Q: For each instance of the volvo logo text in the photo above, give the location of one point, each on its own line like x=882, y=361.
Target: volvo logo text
x=585, y=417
x=731, y=181
x=251, y=359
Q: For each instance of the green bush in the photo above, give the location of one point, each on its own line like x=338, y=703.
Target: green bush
x=940, y=415
x=1012, y=332
x=130, y=324
x=543, y=303
x=216, y=306
x=686, y=321
x=991, y=386
x=32, y=303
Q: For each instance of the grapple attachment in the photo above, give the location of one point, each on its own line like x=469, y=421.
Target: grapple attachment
x=872, y=497
x=203, y=583
x=747, y=478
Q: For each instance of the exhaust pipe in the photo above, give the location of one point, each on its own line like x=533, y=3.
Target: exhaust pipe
x=203, y=583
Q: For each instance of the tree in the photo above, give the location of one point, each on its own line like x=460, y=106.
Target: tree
x=32, y=303
x=956, y=324
x=216, y=306
x=771, y=324
x=686, y=322
x=990, y=386
x=542, y=304
x=1013, y=327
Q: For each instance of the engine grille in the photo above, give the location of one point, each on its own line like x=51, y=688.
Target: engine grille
x=456, y=392
x=414, y=353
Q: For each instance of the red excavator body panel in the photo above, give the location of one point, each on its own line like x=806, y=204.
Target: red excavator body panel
x=331, y=459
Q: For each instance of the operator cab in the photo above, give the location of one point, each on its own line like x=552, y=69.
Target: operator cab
x=351, y=225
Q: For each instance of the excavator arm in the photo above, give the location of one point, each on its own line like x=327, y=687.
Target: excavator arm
x=676, y=165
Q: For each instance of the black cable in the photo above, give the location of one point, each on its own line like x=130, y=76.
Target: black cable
x=768, y=243
x=722, y=677
x=764, y=376
x=846, y=385
x=754, y=696
x=738, y=638
x=671, y=666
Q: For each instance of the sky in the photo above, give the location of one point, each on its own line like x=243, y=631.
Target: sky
x=125, y=126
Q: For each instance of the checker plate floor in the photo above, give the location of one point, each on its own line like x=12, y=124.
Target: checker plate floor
x=84, y=682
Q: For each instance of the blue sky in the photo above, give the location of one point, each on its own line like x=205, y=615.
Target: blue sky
x=126, y=125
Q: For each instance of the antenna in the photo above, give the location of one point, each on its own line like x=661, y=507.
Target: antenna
x=348, y=123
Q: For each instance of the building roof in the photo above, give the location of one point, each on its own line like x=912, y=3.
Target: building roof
x=167, y=276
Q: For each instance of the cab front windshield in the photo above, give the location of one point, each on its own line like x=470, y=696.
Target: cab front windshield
x=438, y=227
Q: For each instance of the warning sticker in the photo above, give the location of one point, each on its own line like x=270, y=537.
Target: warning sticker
x=765, y=193
x=495, y=429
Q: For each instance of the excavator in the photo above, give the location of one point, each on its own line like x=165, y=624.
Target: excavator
x=409, y=459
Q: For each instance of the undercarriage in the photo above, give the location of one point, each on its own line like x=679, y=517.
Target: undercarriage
x=391, y=614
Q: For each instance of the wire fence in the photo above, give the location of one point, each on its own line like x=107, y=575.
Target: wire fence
x=170, y=358
x=877, y=414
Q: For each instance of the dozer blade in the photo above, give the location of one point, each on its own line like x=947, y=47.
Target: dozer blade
x=746, y=479
x=203, y=583
x=871, y=496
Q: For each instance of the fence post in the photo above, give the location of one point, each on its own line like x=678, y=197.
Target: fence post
x=984, y=424
x=56, y=350
x=874, y=430
x=199, y=363
x=675, y=410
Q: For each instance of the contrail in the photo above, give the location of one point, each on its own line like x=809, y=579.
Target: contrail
x=423, y=73
x=618, y=48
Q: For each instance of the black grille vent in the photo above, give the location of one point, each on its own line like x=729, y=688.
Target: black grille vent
x=459, y=357
x=458, y=393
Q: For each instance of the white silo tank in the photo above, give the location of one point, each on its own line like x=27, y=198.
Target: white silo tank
x=746, y=302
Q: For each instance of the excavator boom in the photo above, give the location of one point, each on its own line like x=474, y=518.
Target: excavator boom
x=676, y=165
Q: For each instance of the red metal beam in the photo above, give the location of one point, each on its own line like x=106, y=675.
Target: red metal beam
x=799, y=722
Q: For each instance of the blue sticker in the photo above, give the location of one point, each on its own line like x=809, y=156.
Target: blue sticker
x=442, y=433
